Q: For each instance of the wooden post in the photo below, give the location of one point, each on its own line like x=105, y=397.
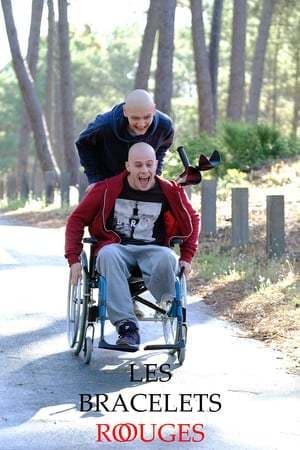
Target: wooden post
x=208, y=207
x=275, y=225
x=239, y=217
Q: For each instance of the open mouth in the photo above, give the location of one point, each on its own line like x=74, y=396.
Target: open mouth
x=144, y=181
x=141, y=130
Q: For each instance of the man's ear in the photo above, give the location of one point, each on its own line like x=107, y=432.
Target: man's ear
x=125, y=111
x=127, y=166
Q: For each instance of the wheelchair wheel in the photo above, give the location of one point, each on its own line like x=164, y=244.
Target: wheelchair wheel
x=172, y=333
x=87, y=350
x=77, y=308
x=170, y=326
x=172, y=329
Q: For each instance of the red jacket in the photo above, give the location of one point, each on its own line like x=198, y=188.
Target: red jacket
x=93, y=211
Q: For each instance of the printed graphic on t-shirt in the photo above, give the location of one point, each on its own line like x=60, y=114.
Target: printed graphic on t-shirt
x=136, y=220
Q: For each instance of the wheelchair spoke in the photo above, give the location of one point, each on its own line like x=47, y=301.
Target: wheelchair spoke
x=77, y=310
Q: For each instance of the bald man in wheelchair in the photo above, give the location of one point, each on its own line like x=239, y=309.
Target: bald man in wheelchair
x=134, y=216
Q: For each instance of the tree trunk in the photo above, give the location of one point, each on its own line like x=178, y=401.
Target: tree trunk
x=25, y=129
x=164, y=70
x=144, y=65
x=214, y=45
x=71, y=156
x=50, y=76
x=237, y=67
x=296, y=94
x=58, y=121
x=258, y=61
x=275, y=76
x=23, y=152
x=36, y=183
x=11, y=186
x=1, y=188
x=38, y=122
x=54, y=101
x=204, y=88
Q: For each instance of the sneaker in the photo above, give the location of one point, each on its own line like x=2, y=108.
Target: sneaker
x=128, y=334
x=137, y=311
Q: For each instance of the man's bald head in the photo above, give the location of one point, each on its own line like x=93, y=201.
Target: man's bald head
x=141, y=166
x=139, y=99
x=139, y=109
x=141, y=149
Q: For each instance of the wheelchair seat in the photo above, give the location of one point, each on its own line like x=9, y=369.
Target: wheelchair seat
x=135, y=273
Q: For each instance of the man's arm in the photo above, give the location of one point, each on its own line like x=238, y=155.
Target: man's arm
x=189, y=247
x=89, y=146
x=161, y=152
x=82, y=216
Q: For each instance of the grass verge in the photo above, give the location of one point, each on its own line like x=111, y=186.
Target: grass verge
x=262, y=296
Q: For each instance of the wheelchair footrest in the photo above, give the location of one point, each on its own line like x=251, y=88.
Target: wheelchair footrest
x=150, y=305
x=164, y=346
x=120, y=348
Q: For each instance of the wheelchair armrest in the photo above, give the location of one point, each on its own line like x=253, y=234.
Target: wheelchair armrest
x=90, y=240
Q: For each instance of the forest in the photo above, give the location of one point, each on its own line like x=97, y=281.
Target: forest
x=230, y=80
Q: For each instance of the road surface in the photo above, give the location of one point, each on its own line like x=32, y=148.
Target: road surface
x=41, y=381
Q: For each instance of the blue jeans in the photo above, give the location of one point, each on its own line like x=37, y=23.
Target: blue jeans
x=115, y=261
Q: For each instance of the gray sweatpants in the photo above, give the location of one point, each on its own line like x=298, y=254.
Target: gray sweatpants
x=115, y=261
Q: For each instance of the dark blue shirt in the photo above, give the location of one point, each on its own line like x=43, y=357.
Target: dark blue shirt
x=103, y=146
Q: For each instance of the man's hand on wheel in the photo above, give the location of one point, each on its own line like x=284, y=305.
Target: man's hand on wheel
x=187, y=267
x=75, y=273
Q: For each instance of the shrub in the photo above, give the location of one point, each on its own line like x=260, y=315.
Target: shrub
x=244, y=145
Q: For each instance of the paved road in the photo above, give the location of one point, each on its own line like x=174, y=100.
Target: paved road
x=41, y=380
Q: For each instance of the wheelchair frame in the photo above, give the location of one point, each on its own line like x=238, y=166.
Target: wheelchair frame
x=84, y=312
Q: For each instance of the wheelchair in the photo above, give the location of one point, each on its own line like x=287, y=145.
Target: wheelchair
x=86, y=308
